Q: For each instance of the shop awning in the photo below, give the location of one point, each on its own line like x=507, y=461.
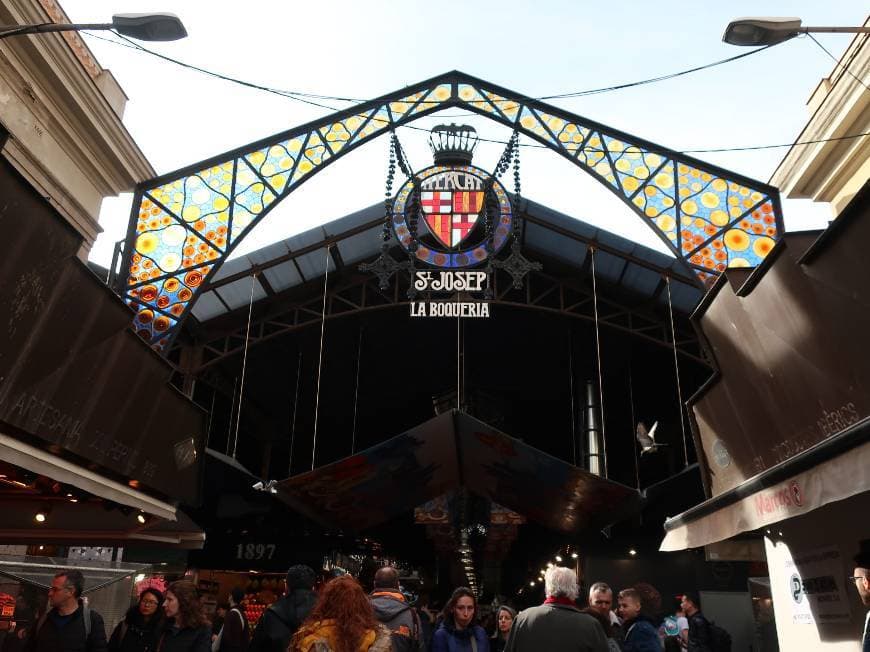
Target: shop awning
x=45, y=463
x=40, y=571
x=451, y=451
x=835, y=469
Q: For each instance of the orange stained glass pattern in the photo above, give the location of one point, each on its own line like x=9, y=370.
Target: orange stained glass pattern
x=184, y=224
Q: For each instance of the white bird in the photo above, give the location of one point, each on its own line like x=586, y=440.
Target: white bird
x=647, y=439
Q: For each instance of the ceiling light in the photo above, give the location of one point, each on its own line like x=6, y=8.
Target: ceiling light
x=142, y=518
x=574, y=555
x=40, y=516
x=532, y=583
x=558, y=558
x=632, y=552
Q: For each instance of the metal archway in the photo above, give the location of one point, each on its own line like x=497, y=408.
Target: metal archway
x=184, y=224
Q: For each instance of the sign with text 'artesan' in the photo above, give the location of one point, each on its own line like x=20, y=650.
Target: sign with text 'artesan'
x=450, y=282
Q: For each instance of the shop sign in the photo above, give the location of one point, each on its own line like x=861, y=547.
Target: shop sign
x=817, y=588
x=255, y=551
x=450, y=281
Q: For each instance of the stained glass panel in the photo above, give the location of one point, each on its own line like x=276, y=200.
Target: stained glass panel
x=185, y=224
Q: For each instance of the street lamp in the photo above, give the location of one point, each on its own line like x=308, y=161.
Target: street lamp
x=770, y=31
x=144, y=27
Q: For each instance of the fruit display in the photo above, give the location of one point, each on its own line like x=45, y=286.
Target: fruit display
x=253, y=611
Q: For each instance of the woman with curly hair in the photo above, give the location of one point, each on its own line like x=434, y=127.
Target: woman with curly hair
x=457, y=632
x=342, y=621
x=187, y=629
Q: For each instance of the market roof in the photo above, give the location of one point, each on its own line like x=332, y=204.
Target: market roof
x=300, y=259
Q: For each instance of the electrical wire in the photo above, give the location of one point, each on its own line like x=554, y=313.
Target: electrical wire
x=652, y=80
x=837, y=61
x=306, y=98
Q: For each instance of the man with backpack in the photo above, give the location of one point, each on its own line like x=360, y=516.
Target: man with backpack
x=704, y=636
x=69, y=626
x=234, y=634
x=392, y=609
x=280, y=621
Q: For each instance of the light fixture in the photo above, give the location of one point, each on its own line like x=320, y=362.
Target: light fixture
x=532, y=583
x=574, y=555
x=766, y=30
x=632, y=552
x=139, y=577
x=142, y=518
x=558, y=558
x=41, y=516
x=144, y=27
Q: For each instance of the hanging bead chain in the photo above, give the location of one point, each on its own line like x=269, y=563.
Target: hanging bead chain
x=517, y=225
x=388, y=194
x=501, y=167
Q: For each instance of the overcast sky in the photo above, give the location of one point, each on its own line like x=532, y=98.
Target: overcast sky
x=364, y=49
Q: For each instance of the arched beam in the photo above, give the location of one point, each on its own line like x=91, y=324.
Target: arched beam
x=184, y=224
x=360, y=294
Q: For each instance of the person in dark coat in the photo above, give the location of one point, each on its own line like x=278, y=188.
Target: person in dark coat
x=504, y=619
x=186, y=629
x=392, y=609
x=700, y=637
x=640, y=633
x=234, y=635
x=281, y=620
x=69, y=626
x=557, y=625
x=457, y=629
x=141, y=628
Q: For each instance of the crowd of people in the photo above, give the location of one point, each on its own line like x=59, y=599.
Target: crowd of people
x=342, y=617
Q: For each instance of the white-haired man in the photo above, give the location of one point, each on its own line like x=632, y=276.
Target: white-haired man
x=557, y=625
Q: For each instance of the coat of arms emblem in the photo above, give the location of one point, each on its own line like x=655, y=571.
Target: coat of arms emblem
x=452, y=214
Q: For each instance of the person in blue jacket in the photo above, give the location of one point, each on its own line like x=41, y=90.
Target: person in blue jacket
x=640, y=633
x=457, y=632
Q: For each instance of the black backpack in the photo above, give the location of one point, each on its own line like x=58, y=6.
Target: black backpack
x=720, y=639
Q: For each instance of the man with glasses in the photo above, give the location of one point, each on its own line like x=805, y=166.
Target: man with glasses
x=69, y=625
x=861, y=578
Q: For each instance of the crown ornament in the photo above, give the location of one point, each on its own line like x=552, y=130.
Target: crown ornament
x=453, y=144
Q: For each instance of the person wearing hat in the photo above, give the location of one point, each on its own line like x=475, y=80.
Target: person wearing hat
x=280, y=621
x=141, y=627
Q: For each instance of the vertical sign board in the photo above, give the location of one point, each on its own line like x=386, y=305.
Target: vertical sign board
x=816, y=585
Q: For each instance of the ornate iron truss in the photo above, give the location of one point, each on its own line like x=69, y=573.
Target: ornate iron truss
x=184, y=224
x=356, y=294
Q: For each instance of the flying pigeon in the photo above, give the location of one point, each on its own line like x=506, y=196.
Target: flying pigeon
x=647, y=439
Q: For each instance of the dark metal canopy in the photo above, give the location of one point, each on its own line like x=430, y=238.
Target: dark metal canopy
x=452, y=451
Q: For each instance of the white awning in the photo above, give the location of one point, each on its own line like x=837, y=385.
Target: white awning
x=44, y=463
x=830, y=480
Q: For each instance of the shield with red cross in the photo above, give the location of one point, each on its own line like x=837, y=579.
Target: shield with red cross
x=451, y=215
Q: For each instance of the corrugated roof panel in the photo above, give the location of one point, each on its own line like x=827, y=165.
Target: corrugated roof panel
x=361, y=246
x=607, y=266
x=558, y=246
x=313, y=264
x=231, y=267
x=283, y=276
x=562, y=221
x=305, y=239
x=641, y=280
x=238, y=293
x=266, y=254
x=207, y=306
x=684, y=297
x=348, y=222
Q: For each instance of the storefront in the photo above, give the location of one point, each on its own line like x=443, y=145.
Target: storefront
x=784, y=427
